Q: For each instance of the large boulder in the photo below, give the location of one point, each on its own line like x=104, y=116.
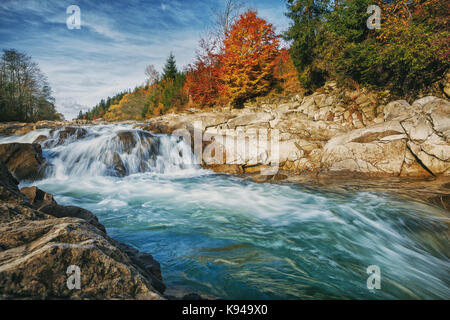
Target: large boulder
x=36, y=254
x=416, y=143
x=376, y=150
x=23, y=160
x=429, y=134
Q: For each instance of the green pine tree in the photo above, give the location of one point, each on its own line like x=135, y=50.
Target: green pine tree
x=170, y=68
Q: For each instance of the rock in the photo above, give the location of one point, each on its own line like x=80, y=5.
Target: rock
x=428, y=134
x=8, y=185
x=23, y=160
x=378, y=150
x=147, y=265
x=415, y=144
x=255, y=168
x=129, y=140
x=250, y=119
x=64, y=135
x=398, y=110
x=37, y=197
x=44, y=202
x=118, y=166
x=36, y=250
x=225, y=168
x=40, y=139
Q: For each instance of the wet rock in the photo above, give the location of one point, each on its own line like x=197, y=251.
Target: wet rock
x=40, y=139
x=147, y=264
x=23, y=160
x=118, y=166
x=129, y=140
x=225, y=168
x=442, y=201
x=44, y=202
x=64, y=135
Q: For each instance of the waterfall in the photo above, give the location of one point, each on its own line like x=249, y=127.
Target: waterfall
x=113, y=150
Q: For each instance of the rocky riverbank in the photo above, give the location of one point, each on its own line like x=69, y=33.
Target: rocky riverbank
x=333, y=139
x=333, y=132
x=40, y=239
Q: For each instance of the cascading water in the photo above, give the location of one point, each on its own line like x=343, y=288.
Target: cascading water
x=113, y=151
x=231, y=238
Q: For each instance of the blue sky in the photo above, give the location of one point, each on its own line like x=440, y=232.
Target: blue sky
x=116, y=41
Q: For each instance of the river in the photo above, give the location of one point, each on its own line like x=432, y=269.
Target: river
x=231, y=238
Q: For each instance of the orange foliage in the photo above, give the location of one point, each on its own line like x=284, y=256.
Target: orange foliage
x=247, y=62
x=202, y=83
x=285, y=72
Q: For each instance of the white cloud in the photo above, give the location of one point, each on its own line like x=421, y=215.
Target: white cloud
x=110, y=52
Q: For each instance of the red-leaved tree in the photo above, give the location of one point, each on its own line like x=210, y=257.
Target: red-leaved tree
x=202, y=82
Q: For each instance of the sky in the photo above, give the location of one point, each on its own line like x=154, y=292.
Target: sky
x=115, y=42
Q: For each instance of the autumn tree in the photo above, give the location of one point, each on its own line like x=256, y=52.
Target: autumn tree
x=247, y=62
x=285, y=73
x=202, y=82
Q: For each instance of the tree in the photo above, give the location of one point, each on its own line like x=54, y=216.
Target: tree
x=247, y=62
x=307, y=17
x=152, y=75
x=25, y=94
x=285, y=73
x=224, y=18
x=202, y=82
x=170, y=70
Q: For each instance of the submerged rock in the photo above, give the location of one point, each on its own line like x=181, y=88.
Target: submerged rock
x=23, y=160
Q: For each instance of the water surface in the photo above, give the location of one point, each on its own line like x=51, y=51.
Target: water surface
x=235, y=239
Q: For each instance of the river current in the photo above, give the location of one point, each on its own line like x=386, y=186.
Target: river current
x=231, y=238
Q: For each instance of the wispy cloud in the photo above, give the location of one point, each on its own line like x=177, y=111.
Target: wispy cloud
x=116, y=41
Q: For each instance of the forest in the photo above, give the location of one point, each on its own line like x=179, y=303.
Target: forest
x=25, y=94
x=244, y=57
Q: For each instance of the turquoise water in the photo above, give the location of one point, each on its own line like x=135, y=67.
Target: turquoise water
x=236, y=239
x=232, y=238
